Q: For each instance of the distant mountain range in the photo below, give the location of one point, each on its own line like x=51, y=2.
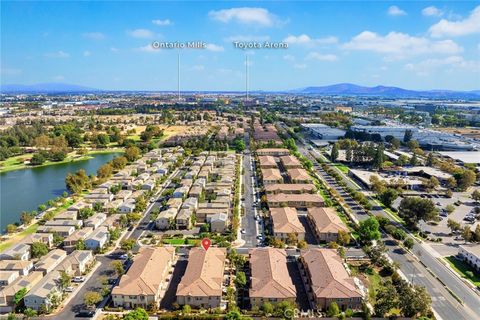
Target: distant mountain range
x=45, y=88
x=345, y=89
x=383, y=91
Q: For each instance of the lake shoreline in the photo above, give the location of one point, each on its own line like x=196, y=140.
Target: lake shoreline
x=66, y=160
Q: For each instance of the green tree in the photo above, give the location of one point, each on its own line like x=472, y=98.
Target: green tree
x=85, y=213
x=386, y=298
x=77, y=182
x=465, y=179
x=105, y=171
x=467, y=233
x=415, y=209
x=388, y=196
x=233, y=315
x=127, y=244
x=378, y=158
x=368, y=230
x=137, y=314
x=240, y=279
x=476, y=195
x=415, y=301
x=334, y=153
x=80, y=245
x=407, y=136
x=132, y=153
x=119, y=163
x=91, y=298
x=333, y=310
x=38, y=249
x=37, y=159
x=29, y=313
x=65, y=279
x=26, y=218
x=343, y=238
x=117, y=266
x=186, y=309
x=408, y=243
x=11, y=228
x=267, y=308
x=19, y=295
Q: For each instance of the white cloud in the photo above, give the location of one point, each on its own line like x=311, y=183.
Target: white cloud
x=321, y=57
x=432, y=11
x=59, y=78
x=245, y=15
x=87, y=53
x=162, y=23
x=288, y=57
x=300, y=66
x=400, y=45
x=307, y=40
x=427, y=66
x=246, y=38
x=94, y=35
x=148, y=48
x=214, y=47
x=141, y=33
x=396, y=11
x=58, y=54
x=469, y=25
x=113, y=49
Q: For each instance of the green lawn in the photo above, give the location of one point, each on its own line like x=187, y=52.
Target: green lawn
x=461, y=268
x=31, y=229
x=17, y=162
x=341, y=167
x=180, y=242
x=7, y=244
x=375, y=284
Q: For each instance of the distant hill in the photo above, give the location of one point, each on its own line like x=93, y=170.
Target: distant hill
x=384, y=91
x=45, y=88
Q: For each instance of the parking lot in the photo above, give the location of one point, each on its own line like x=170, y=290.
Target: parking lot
x=463, y=207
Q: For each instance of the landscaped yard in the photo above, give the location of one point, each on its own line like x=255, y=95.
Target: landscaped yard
x=16, y=238
x=341, y=167
x=31, y=229
x=17, y=162
x=180, y=242
x=463, y=270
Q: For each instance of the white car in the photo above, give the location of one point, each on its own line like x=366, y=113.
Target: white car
x=124, y=256
x=78, y=279
x=69, y=289
x=243, y=231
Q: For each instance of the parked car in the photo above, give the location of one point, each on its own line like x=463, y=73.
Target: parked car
x=86, y=313
x=243, y=231
x=124, y=256
x=78, y=279
x=69, y=289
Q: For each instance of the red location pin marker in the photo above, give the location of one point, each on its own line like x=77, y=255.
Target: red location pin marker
x=206, y=243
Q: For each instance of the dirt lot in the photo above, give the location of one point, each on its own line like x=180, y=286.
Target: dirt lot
x=467, y=132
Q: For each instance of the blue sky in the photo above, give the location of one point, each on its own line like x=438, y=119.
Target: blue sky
x=107, y=45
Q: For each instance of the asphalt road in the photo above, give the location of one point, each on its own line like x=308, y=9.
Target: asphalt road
x=248, y=220
x=443, y=302
x=92, y=284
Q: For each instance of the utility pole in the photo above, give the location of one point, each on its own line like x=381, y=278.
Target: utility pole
x=178, y=77
x=246, y=77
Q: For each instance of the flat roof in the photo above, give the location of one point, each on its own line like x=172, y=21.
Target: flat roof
x=463, y=156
